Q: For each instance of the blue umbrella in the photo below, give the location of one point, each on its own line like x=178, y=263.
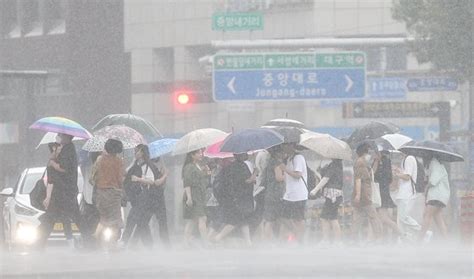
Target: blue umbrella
x=251, y=140
x=161, y=147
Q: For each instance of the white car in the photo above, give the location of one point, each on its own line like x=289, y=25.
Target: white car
x=20, y=218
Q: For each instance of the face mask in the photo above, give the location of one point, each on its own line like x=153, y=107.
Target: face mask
x=58, y=139
x=367, y=158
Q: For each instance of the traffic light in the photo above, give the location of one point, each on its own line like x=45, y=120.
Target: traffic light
x=183, y=99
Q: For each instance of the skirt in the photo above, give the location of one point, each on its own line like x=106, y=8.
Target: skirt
x=108, y=203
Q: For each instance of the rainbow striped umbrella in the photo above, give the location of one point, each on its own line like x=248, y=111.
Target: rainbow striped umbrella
x=61, y=125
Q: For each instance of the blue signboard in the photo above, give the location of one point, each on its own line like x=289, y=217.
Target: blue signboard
x=253, y=77
x=387, y=88
x=424, y=84
x=289, y=84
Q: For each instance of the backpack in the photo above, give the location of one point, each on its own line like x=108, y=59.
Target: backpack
x=38, y=194
x=419, y=184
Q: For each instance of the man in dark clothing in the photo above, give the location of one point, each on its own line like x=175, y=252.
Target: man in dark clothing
x=238, y=202
x=63, y=203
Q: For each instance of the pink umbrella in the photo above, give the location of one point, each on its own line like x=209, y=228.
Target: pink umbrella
x=213, y=151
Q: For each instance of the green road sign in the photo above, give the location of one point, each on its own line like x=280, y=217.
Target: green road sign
x=237, y=21
x=281, y=60
x=288, y=75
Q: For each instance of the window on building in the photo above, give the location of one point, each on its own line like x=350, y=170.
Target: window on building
x=54, y=16
x=31, y=20
x=9, y=17
x=163, y=65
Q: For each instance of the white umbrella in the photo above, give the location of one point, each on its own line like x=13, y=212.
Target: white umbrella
x=326, y=146
x=397, y=140
x=198, y=139
x=51, y=137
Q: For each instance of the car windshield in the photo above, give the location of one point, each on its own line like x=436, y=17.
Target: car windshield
x=30, y=182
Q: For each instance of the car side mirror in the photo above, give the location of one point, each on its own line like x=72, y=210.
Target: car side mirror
x=7, y=192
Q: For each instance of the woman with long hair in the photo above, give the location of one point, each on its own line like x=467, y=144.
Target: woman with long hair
x=437, y=195
x=273, y=179
x=195, y=177
x=382, y=167
x=143, y=184
x=331, y=187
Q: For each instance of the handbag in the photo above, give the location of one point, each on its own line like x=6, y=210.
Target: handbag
x=376, y=198
x=38, y=194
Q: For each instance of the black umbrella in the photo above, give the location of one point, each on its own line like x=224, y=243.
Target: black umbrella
x=137, y=123
x=251, y=140
x=371, y=131
x=427, y=148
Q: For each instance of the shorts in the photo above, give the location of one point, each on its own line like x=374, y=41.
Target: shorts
x=272, y=211
x=436, y=203
x=293, y=210
x=330, y=209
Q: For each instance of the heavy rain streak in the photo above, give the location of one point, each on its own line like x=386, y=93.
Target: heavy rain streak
x=236, y=138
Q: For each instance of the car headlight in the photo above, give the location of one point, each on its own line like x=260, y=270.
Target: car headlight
x=27, y=234
x=22, y=210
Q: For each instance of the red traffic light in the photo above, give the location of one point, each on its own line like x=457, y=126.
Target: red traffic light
x=183, y=98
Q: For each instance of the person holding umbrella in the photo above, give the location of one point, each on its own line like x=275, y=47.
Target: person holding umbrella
x=144, y=187
x=437, y=193
x=273, y=179
x=362, y=194
x=108, y=176
x=332, y=176
x=296, y=193
x=437, y=196
x=407, y=175
x=382, y=168
x=239, y=203
x=196, y=178
x=65, y=168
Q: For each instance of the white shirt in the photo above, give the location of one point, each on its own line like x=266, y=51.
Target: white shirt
x=147, y=173
x=406, y=187
x=295, y=187
x=250, y=166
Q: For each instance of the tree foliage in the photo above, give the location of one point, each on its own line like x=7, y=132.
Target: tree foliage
x=442, y=30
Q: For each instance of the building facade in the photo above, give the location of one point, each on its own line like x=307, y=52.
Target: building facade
x=57, y=58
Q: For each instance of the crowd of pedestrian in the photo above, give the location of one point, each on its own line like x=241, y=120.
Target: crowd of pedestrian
x=262, y=200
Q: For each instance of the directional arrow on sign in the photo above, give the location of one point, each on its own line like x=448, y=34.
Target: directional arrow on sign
x=349, y=83
x=230, y=85
x=357, y=109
